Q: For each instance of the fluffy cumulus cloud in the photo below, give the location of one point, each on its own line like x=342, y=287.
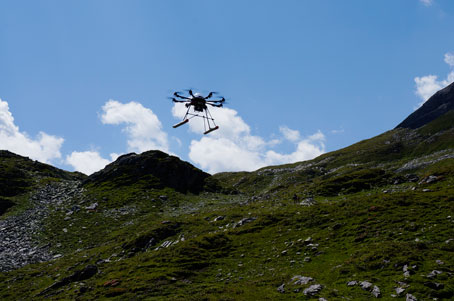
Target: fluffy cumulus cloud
x=44, y=147
x=143, y=131
x=142, y=127
x=88, y=162
x=289, y=134
x=234, y=148
x=428, y=85
x=449, y=59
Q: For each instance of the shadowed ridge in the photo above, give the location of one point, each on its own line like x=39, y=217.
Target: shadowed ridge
x=18, y=173
x=437, y=105
x=152, y=169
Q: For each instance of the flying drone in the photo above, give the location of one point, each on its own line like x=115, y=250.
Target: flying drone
x=200, y=109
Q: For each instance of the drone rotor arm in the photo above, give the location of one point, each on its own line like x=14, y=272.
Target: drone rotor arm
x=218, y=101
x=177, y=100
x=180, y=96
x=217, y=105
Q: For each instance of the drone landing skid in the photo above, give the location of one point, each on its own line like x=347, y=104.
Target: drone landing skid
x=180, y=123
x=212, y=129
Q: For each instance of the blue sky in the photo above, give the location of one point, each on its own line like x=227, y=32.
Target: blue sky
x=82, y=82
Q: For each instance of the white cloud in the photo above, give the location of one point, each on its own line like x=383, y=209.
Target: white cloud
x=44, y=147
x=428, y=85
x=449, y=59
x=427, y=2
x=291, y=135
x=143, y=128
x=234, y=148
x=88, y=162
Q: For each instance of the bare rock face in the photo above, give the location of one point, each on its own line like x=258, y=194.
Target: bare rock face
x=152, y=169
x=439, y=104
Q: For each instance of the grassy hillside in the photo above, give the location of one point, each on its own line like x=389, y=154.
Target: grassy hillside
x=20, y=175
x=378, y=214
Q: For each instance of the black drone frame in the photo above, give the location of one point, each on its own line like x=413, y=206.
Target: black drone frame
x=199, y=104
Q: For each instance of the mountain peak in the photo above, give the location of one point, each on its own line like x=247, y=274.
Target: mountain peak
x=155, y=168
x=437, y=105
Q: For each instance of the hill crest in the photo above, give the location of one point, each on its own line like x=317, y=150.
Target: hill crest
x=436, y=106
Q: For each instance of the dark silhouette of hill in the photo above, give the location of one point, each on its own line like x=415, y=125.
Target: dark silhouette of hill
x=152, y=169
x=436, y=106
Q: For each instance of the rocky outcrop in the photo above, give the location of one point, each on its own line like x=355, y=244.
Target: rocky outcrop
x=437, y=105
x=80, y=275
x=18, y=174
x=152, y=169
x=19, y=233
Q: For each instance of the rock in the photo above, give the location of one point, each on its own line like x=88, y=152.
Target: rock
x=80, y=275
x=92, y=206
x=399, y=290
x=410, y=297
x=434, y=274
x=365, y=285
x=412, y=178
x=281, y=288
x=244, y=221
x=308, y=202
x=18, y=232
x=307, y=259
x=219, y=218
x=352, y=283
x=376, y=291
x=439, y=262
x=429, y=179
x=312, y=290
x=300, y=280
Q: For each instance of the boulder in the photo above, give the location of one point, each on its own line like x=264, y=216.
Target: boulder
x=313, y=290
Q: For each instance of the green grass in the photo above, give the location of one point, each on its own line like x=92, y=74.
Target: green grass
x=361, y=227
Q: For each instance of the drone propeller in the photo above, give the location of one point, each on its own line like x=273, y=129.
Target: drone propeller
x=178, y=94
x=190, y=92
x=222, y=100
x=211, y=94
x=218, y=105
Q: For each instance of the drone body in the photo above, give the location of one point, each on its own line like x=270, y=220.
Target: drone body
x=200, y=105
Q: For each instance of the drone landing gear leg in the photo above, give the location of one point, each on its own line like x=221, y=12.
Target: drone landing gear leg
x=185, y=120
x=212, y=129
x=208, y=118
x=180, y=123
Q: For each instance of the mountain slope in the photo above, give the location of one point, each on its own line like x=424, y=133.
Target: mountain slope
x=437, y=105
x=371, y=220
x=19, y=175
